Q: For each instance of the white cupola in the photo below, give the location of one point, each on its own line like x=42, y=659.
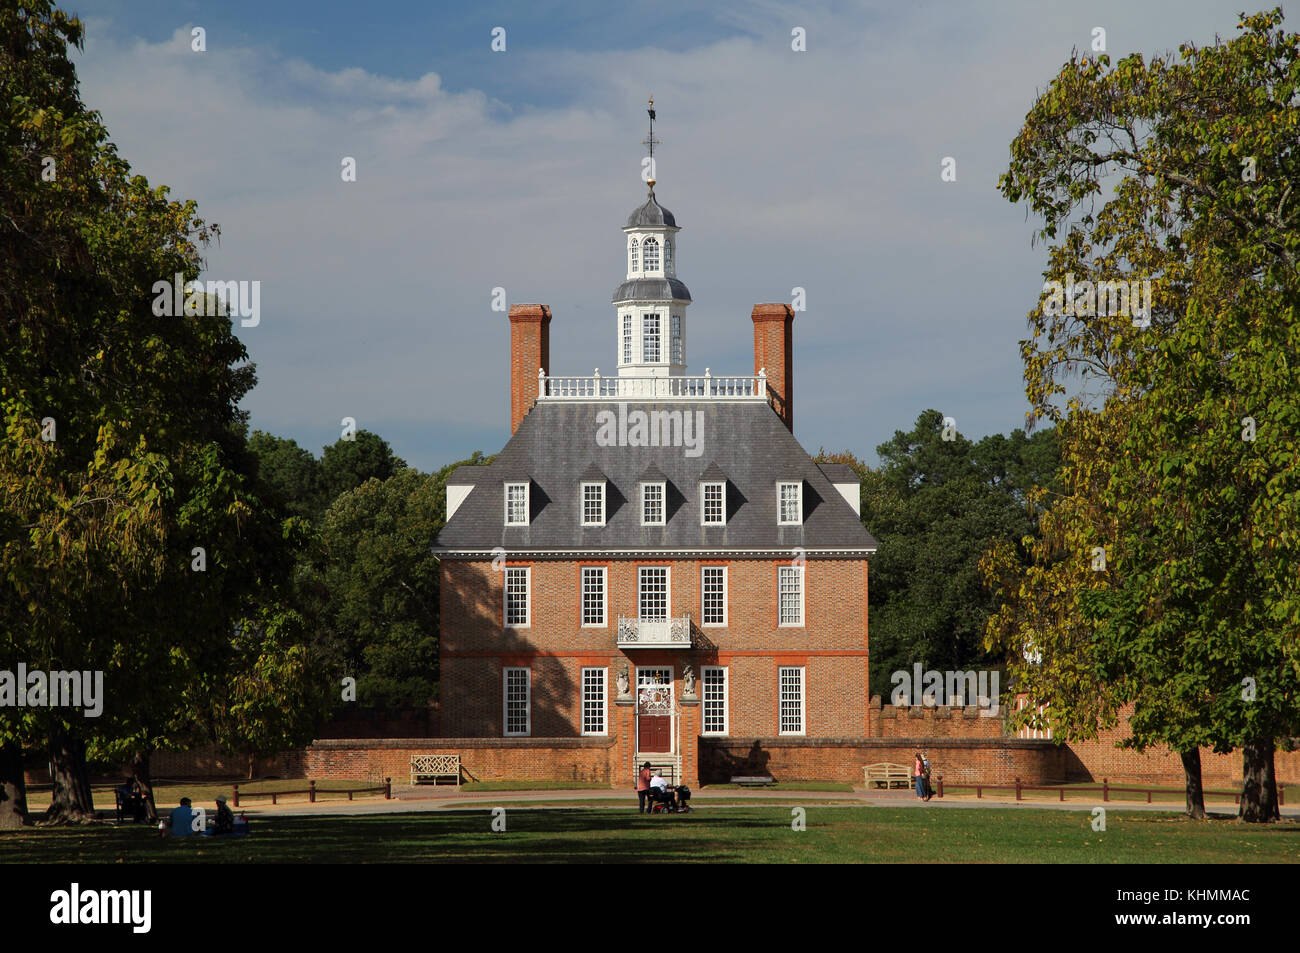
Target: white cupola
x=651, y=303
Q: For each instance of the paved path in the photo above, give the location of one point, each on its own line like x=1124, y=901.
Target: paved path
x=421, y=800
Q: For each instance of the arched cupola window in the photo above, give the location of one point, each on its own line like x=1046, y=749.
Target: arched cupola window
x=651, y=255
x=668, y=255
x=635, y=267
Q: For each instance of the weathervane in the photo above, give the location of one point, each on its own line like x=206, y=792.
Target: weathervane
x=650, y=141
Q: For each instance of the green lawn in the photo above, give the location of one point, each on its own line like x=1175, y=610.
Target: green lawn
x=745, y=835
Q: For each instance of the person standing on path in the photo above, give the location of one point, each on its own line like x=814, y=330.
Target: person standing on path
x=918, y=774
x=642, y=788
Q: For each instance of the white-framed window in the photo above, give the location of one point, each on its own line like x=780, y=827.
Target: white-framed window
x=714, y=680
x=649, y=338
x=713, y=595
x=653, y=675
x=635, y=265
x=593, y=595
x=517, y=596
x=668, y=256
x=792, y=700
x=627, y=339
x=593, y=701
x=516, y=504
x=713, y=504
x=652, y=593
x=789, y=503
x=516, y=692
x=652, y=504
x=593, y=503
x=675, y=339
x=790, y=586
x=650, y=249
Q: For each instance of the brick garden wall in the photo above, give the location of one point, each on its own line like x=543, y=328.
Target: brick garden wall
x=959, y=760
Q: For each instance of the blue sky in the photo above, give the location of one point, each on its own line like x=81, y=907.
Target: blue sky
x=517, y=169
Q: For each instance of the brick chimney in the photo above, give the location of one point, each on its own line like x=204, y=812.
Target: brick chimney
x=530, y=349
x=774, y=350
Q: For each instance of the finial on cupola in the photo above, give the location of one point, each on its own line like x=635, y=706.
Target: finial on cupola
x=651, y=142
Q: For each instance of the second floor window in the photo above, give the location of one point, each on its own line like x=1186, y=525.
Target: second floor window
x=627, y=339
x=676, y=339
x=516, y=614
x=651, y=254
x=635, y=264
x=790, y=584
x=713, y=595
x=652, y=593
x=649, y=339
x=593, y=595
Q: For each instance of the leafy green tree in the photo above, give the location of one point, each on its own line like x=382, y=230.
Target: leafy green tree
x=346, y=464
x=935, y=505
x=1194, y=618
x=291, y=472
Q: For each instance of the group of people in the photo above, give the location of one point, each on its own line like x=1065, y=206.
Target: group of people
x=653, y=790
x=181, y=821
x=921, y=772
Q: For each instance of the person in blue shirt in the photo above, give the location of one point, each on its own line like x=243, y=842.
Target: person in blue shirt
x=183, y=819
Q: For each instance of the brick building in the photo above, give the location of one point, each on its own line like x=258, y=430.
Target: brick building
x=653, y=560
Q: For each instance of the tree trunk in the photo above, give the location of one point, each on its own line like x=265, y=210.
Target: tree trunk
x=140, y=774
x=1259, y=785
x=1195, y=790
x=13, y=789
x=71, y=800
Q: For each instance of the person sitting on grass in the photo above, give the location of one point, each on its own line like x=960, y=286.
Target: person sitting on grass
x=182, y=819
x=225, y=823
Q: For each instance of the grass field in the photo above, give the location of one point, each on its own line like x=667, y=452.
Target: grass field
x=731, y=835
x=168, y=794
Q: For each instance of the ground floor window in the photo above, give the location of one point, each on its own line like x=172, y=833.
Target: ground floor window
x=792, y=695
x=516, y=691
x=593, y=701
x=714, y=678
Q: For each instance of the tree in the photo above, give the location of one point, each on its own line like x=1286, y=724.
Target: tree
x=127, y=499
x=934, y=506
x=346, y=464
x=379, y=580
x=1194, y=604
x=292, y=474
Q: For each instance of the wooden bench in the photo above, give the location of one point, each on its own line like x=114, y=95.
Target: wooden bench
x=753, y=780
x=887, y=774
x=433, y=767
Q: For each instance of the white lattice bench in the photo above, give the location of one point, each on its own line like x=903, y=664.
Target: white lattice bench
x=432, y=767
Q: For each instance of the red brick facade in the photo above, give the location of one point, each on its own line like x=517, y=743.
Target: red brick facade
x=530, y=350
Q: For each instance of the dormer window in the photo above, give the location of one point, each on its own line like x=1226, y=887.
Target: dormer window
x=651, y=254
x=516, y=504
x=713, y=504
x=593, y=503
x=789, y=503
x=635, y=264
x=652, y=504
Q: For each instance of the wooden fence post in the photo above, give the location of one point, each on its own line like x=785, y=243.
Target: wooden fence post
x=236, y=787
x=1105, y=789
x=311, y=792
x=388, y=789
x=1017, y=789
x=941, y=787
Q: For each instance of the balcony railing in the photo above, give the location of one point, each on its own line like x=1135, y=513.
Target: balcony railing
x=704, y=387
x=636, y=633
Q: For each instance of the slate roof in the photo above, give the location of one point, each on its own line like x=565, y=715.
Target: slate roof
x=839, y=472
x=651, y=289
x=650, y=214
x=555, y=445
